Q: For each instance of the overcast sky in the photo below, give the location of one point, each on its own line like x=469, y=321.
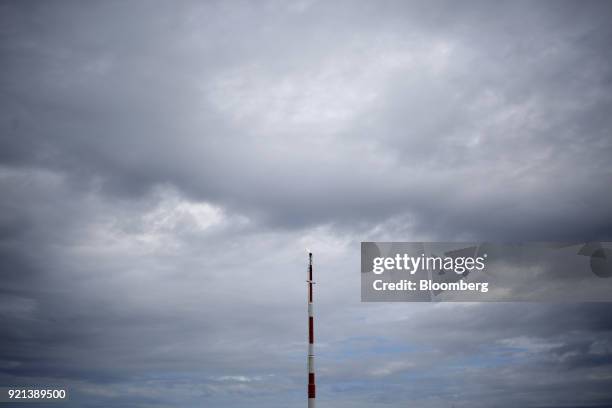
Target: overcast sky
x=164, y=165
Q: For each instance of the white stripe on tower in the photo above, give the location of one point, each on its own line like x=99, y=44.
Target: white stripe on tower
x=311, y=373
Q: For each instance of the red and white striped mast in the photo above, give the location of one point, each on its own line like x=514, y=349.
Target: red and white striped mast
x=311, y=373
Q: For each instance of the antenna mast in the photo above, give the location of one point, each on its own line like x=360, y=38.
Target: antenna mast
x=311, y=373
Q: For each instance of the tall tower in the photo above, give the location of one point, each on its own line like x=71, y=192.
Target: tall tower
x=311, y=373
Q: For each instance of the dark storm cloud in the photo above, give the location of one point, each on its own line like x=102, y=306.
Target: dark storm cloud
x=439, y=112
x=164, y=165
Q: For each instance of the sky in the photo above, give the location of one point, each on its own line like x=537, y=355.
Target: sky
x=165, y=165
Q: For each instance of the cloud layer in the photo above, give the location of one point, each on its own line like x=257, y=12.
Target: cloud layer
x=163, y=166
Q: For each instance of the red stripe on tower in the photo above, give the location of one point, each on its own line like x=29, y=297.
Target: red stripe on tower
x=310, y=330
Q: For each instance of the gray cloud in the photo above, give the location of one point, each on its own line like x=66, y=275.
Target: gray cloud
x=163, y=166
